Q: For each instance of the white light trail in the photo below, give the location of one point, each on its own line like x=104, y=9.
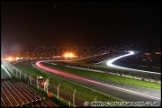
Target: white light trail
x=88, y=81
x=110, y=63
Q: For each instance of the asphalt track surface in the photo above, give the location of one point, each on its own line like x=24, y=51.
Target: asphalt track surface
x=121, y=93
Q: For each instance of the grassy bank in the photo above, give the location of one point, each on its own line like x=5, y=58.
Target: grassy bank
x=107, y=77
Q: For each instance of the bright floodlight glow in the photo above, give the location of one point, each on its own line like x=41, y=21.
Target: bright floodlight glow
x=9, y=58
x=66, y=55
x=70, y=55
x=17, y=58
x=110, y=63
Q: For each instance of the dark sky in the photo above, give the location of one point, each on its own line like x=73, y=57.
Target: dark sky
x=28, y=25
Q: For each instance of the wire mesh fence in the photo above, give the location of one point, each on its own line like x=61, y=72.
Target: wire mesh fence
x=71, y=99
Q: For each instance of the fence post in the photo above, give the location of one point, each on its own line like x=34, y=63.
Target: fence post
x=95, y=98
x=74, y=97
x=69, y=103
x=58, y=91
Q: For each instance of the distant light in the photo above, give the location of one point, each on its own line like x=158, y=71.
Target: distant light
x=157, y=52
x=17, y=58
x=70, y=55
x=147, y=53
x=66, y=55
x=9, y=59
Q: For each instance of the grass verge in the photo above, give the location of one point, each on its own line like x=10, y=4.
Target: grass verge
x=107, y=77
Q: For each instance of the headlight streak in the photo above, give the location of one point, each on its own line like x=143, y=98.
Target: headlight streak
x=110, y=63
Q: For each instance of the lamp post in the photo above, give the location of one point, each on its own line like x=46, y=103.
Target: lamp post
x=69, y=103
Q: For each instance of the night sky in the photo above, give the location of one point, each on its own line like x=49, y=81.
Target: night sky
x=28, y=25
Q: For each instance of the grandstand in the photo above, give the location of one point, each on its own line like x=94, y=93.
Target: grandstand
x=15, y=93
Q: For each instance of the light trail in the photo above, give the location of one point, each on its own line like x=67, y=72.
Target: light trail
x=110, y=63
x=92, y=82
